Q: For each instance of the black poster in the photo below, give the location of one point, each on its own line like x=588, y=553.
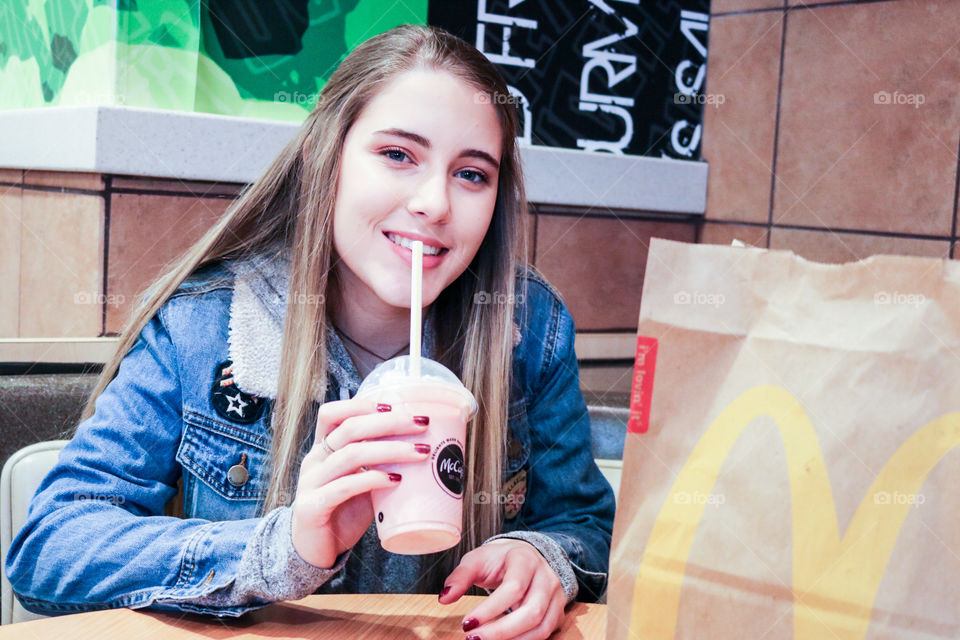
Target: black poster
x=619, y=76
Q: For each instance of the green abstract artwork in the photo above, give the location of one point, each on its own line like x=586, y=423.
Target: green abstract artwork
x=254, y=58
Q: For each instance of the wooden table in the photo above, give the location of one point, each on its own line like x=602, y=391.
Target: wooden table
x=329, y=617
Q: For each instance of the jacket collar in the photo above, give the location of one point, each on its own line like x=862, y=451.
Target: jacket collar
x=257, y=311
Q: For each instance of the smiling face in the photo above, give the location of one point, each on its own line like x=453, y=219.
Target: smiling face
x=419, y=163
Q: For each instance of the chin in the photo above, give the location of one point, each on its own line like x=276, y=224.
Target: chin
x=397, y=294
x=394, y=300
x=403, y=302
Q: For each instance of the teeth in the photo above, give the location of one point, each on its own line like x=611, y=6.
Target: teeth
x=408, y=244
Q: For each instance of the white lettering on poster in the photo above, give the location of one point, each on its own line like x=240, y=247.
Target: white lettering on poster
x=526, y=137
x=601, y=56
x=684, y=138
x=507, y=22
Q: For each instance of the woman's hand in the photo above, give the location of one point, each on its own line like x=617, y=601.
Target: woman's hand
x=526, y=590
x=332, y=508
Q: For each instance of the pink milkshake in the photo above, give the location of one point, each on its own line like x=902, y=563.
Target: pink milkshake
x=424, y=512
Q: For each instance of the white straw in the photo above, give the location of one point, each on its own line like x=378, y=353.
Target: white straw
x=416, y=300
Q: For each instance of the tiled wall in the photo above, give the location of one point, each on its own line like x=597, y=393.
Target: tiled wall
x=832, y=127
x=76, y=249
x=56, y=226
x=596, y=260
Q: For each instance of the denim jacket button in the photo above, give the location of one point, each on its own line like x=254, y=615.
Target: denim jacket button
x=238, y=475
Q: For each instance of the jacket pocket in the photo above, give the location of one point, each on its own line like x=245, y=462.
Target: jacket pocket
x=230, y=462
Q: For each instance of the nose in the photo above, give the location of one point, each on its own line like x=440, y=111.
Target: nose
x=430, y=198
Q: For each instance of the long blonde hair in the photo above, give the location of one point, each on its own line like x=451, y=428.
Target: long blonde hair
x=290, y=205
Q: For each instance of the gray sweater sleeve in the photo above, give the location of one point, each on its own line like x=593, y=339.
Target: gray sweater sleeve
x=270, y=569
x=553, y=553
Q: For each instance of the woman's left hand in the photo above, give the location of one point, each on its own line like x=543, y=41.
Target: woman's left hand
x=523, y=583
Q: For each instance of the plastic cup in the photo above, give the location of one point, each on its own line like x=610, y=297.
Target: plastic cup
x=424, y=512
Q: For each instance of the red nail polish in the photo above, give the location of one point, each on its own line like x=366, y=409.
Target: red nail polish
x=444, y=591
x=471, y=623
x=394, y=477
x=473, y=637
x=421, y=420
x=422, y=448
x=383, y=408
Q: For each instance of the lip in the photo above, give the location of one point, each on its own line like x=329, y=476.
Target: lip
x=416, y=236
x=429, y=262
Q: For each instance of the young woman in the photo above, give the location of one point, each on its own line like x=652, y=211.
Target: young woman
x=235, y=377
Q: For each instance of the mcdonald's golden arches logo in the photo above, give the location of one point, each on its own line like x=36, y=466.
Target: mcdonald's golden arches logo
x=835, y=579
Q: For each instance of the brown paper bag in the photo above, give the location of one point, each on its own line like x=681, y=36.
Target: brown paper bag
x=796, y=472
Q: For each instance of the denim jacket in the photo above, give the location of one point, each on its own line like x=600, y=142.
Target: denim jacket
x=191, y=401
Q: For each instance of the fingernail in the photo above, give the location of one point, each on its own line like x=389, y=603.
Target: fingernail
x=383, y=408
x=422, y=448
x=473, y=637
x=421, y=420
x=471, y=623
x=394, y=477
x=444, y=591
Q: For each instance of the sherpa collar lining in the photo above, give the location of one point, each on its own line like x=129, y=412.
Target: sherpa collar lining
x=257, y=312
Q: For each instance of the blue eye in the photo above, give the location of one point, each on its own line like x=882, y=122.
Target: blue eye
x=399, y=155
x=387, y=152
x=481, y=178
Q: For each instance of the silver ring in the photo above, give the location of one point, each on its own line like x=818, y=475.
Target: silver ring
x=326, y=446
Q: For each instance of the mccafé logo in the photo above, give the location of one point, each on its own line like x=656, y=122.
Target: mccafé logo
x=448, y=467
x=835, y=580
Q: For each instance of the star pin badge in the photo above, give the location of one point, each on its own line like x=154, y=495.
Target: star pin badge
x=229, y=401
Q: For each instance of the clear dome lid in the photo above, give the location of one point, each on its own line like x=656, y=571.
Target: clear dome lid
x=394, y=375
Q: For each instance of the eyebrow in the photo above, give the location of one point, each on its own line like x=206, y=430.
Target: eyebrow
x=423, y=142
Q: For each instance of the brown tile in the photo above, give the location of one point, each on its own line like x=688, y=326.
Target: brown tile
x=147, y=233
x=13, y=176
x=738, y=134
x=531, y=220
x=11, y=200
x=713, y=233
x=805, y=3
x=846, y=160
x=61, y=276
x=722, y=6
x=65, y=179
x=597, y=264
x=826, y=246
x=192, y=187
